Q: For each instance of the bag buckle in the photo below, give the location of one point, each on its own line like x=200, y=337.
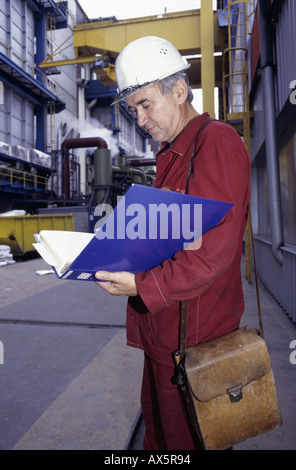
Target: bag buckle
x=235, y=393
x=179, y=374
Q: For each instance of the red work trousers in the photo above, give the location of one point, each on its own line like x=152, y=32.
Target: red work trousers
x=163, y=410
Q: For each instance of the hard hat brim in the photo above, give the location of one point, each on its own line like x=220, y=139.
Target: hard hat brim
x=133, y=89
x=130, y=91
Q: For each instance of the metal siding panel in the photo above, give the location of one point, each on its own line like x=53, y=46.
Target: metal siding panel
x=280, y=280
x=29, y=125
x=5, y=117
x=257, y=130
x=285, y=31
x=30, y=34
x=17, y=130
x=255, y=45
x=4, y=27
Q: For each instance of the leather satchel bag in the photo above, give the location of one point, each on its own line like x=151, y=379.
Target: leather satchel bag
x=228, y=385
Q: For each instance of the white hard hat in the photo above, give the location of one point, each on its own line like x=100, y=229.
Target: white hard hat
x=145, y=61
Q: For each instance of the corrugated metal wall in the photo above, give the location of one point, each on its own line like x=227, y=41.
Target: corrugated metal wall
x=280, y=280
x=285, y=51
x=17, y=43
x=17, y=33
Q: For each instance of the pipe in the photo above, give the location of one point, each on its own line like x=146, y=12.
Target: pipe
x=141, y=162
x=131, y=172
x=103, y=173
x=271, y=144
x=83, y=142
x=92, y=104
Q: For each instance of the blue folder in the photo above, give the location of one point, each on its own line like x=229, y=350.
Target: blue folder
x=147, y=226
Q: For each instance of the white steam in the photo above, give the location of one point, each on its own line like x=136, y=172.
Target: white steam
x=93, y=128
x=90, y=128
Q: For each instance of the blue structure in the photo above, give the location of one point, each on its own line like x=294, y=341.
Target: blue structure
x=26, y=97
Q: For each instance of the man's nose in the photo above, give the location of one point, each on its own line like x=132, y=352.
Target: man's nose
x=141, y=117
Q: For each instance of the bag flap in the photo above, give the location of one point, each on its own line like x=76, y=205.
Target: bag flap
x=236, y=358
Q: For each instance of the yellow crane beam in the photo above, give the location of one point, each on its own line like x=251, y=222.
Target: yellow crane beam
x=183, y=29
x=48, y=63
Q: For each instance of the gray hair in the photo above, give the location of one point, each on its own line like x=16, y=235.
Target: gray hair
x=167, y=84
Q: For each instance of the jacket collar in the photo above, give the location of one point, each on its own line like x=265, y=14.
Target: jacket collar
x=184, y=140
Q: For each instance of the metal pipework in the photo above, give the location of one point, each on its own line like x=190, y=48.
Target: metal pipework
x=103, y=173
x=84, y=142
x=125, y=170
x=271, y=144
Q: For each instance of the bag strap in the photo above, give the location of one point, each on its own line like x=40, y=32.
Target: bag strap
x=256, y=282
x=194, y=150
x=184, y=303
x=184, y=310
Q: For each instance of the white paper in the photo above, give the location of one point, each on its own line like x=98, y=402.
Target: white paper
x=60, y=248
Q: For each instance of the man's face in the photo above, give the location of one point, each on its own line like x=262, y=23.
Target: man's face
x=158, y=114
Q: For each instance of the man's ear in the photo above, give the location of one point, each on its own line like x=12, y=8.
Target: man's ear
x=181, y=90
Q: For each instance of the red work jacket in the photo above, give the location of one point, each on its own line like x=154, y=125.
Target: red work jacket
x=209, y=277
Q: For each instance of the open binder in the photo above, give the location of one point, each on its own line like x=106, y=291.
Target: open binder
x=147, y=226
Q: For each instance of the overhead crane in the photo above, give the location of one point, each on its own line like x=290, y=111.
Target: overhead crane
x=195, y=33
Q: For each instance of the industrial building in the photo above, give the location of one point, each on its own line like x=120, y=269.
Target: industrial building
x=58, y=83
x=64, y=149
x=42, y=108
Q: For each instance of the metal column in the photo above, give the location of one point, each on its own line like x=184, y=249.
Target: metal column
x=207, y=59
x=271, y=143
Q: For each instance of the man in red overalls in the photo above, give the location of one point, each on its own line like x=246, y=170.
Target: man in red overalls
x=151, y=79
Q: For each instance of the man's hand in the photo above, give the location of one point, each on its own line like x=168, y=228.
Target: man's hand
x=121, y=283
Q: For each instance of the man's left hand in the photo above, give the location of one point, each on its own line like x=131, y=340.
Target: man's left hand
x=120, y=283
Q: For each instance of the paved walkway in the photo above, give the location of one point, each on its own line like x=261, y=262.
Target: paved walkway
x=70, y=382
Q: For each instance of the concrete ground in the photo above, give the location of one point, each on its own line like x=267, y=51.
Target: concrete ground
x=70, y=382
